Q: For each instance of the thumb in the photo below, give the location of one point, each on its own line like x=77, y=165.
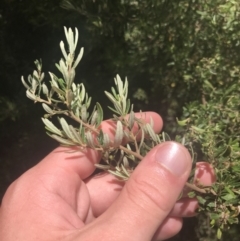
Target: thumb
x=150, y=193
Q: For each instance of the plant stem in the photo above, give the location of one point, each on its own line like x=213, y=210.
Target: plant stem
x=198, y=189
x=71, y=114
x=131, y=152
x=195, y=188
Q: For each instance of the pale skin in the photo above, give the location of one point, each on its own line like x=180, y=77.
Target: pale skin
x=60, y=199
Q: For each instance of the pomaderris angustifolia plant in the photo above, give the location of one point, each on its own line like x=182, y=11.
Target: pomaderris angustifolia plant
x=69, y=100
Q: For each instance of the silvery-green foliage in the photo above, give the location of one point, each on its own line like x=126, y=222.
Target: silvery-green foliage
x=67, y=99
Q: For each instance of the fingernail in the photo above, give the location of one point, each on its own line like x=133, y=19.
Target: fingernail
x=174, y=157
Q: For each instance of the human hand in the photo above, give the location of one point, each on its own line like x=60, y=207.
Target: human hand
x=59, y=199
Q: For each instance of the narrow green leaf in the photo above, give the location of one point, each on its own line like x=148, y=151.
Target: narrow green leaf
x=125, y=162
x=47, y=108
x=78, y=59
x=24, y=83
x=106, y=140
x=94, y=118
x=131, y=119
x=201, y=200
x=30, y=95
x=45, y=89
x=158, y=140
x=66, y=128
x=125, y=171
x=75, y=134
x=228, y=197
x=119, y=134
x=100, y=114
x=115, y=95
x=69, y=97
x=82, y=133
x=89, y=139
x=64, y=71
x=212, y=222
x=125, y=88
x=128, y=104
x=51, y=127
x=53, y=80
x=142, y=139
x=62, y=140
x=102, y=167
x=58, y=67
x=81, y=91
x=197, y=129
x=41, y=77
x=165, y=136
x=110, y=97
x=151, y=132
x=29, y=79
x=207, y=83
x=201, y=13
x=60, y=92
x=34, y=84
x=219, y=233
x=191, y=194
x=74, y=87
x=123, y=105
x=118, y=108
x=88, y=101
x=35, y=75
x=119, y=175
x=66, y=33
x=92, y=115
x=62, y=47
x=100, y=138
x=38, y=64
x=71, y=77
x=113, y=110
x=130, y=156
x=84, y=113
x=76, y=38
x=119, y=85
x=183, y=122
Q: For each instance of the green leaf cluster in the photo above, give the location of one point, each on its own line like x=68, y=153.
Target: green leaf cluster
x=171, y=46
x=213, y=125
x=65, y=98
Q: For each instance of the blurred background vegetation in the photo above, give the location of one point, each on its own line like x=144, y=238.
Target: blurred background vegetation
x=167, y=49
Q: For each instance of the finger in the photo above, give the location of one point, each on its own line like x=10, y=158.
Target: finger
x=169, y=228
x=105, y=188
x=187, y=207
x=109, y=126
x=149, y=195
x=204, y=174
